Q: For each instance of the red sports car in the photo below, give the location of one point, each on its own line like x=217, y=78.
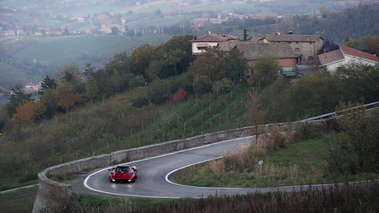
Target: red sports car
x=123, y=173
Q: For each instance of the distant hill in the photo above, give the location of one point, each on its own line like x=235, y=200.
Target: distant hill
x=59, y=51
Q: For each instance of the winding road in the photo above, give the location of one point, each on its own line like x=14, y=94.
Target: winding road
x=153, y=175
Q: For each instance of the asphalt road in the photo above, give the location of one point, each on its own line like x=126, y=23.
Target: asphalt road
x=153, y=175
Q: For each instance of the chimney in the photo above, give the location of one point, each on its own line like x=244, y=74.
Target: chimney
x=195, y=38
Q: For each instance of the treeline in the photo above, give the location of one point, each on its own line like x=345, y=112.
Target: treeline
x=352, y=23
x=310, y=96
x=337, y=27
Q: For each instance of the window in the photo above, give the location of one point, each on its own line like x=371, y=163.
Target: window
x=202, y=46
x=297, y=49
x=310, y=58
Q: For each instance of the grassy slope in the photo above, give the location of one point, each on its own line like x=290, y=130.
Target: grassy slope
x=18, y=201
x=305, y=155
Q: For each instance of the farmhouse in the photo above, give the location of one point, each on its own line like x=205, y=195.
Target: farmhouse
x=307, y=46
x=201, y=43
x=344, y=55
x=32, y=87
x=251, y=49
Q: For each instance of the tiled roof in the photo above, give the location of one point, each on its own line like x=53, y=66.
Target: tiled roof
x=329, y=57
x=252, y=50
x=292, y=38
x=358, y=53
x=213, y=38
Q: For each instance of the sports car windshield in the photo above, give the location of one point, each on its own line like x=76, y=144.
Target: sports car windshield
x=122, y=169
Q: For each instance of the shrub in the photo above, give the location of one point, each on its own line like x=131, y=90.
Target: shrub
x=224, y=86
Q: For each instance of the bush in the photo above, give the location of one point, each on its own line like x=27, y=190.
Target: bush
x=224, y=86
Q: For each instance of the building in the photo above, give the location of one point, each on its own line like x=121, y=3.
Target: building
x=344, y=55
x=32, y=87
x=251, y=50
x=307, y=46
x=201, y=43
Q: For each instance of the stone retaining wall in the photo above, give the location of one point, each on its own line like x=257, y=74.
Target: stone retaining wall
x=48, y=186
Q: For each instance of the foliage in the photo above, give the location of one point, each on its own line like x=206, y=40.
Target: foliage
x=17, y=97
x=159, y=91
x=140, y=59
x=255, y=114
x=179, y=95
x=358, y=81
x=357, y=150
x=209, y=64
x=245, y=35
x=68, y=100
x=224, y=86
x=28, y=113
x=274, y=99
x=236, y=65
x=202, y=84
x=48, y=83
x=265, y=69
x=352, y=23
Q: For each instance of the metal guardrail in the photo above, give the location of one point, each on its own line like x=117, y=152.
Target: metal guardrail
x=333, y=113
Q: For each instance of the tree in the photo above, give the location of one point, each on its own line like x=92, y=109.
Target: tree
x=50, y=99
x=210, y=64
x=28, y=113
x=274, y=99
x=154, y=69
x=265, y=69
x=202, y=84
x=92, y=90
x=159, y=91
x=358, y=151
x=173, y=57
x=236, y=64
x=68, y=100
x=245, y=35
x=70, y=79
x=48, y=83
x=114, y=30
x=254, y=113
x=18, y=96
x=179, y=95
x=140, y=59
x=177, y=53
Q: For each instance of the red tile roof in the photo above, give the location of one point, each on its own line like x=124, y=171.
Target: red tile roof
x=330, y=57
x=358, y=53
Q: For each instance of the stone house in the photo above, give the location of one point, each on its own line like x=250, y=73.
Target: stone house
x=307, y=46
x=250, y=49
x=201, y=43
x=344, y=55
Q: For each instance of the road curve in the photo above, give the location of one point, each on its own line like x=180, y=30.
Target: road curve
x=153, y=175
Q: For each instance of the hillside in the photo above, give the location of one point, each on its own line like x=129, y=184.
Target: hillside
x=48, y=54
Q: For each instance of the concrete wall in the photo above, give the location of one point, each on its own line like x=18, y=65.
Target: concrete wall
x=48, y=188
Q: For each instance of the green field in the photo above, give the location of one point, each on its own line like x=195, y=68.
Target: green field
x=66, y=49
x=10, y=75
